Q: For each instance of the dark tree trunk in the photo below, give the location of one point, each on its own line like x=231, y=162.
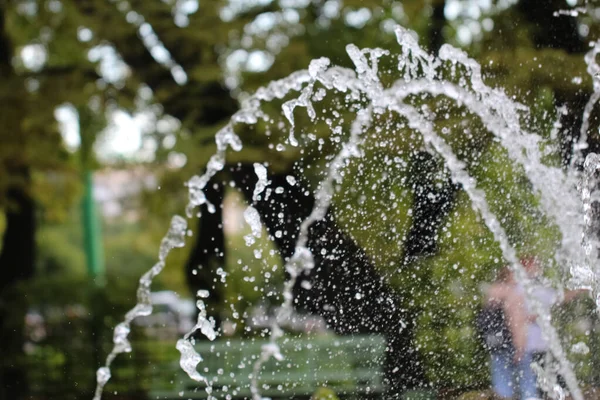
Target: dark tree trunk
x=16, y=255
x=208, y=252
x=571, y=122
x=433, y=197
x=345, y=287
x=16, y=265
x=558, y=32
x=438, y=21
x=433, y=200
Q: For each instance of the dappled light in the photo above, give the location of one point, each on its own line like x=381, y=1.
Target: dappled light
x=334, y=199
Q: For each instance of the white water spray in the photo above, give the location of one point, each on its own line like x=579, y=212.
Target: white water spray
x=420, y=70
x=175, y=238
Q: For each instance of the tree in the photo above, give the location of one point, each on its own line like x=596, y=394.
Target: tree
x=37, y=77
x=196, y=63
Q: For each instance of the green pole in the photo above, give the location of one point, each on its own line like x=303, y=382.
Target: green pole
x=92, y=231
x=88, y=125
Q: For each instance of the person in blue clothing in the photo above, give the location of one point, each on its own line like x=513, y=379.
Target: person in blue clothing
x=511, y=364
x=509, y=371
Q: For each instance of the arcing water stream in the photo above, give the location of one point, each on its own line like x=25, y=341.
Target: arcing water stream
x=422, y=74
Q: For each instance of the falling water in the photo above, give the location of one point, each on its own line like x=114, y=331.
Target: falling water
x=189, y=356
x=593, y=70
x=422, y=73
x=175, y=237
x=587, y=275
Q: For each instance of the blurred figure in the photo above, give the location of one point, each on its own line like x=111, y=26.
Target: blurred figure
x=502, y=325
x=491, y=321
x=511, y=362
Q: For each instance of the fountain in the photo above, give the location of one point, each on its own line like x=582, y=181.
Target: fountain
x=450, y=74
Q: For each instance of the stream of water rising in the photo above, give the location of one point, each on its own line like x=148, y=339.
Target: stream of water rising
x=422, y=74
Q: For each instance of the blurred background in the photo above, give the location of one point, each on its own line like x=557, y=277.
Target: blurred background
x=108, y=107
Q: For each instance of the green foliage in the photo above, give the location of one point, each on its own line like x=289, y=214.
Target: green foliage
x=374, y=201
x=579, y=326
x=250, y=281
x=446, y=290
x=60, y=252
x=510, y=197
x=324, y=394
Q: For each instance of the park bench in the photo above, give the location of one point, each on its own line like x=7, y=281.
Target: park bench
x=350, y=365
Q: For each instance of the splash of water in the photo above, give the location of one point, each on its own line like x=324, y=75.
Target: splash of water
x=593, y=69
x=175, y=237
x=587, y=275
x=190, y=358
x=421, y=75
x=262, y=183
x=151, y=41
x=226, y=138
x=302, y=259
x=500, y=115
x=315, y=69
x=547, y=378
x=484, y=103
